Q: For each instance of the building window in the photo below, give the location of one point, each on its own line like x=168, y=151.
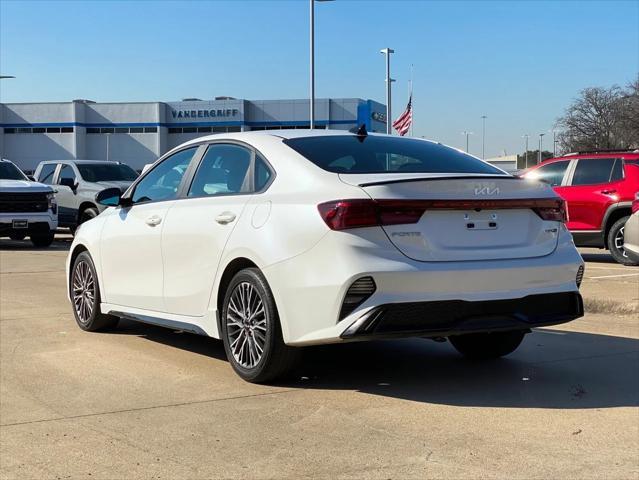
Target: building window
x=203, y=129
x=39, y=130
x=9, y=130
x=93, y=130
x=106, y=130
x=136, y=130
x=234, y=129
x=121, y=130
x=150, y=129
x=65, y=130
x=189, y=130
x=175, y=130
x=24, y=130
x=53, y=130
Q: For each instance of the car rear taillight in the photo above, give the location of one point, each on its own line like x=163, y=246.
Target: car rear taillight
x=553, y=210
x=635, y=204
x=357, y=213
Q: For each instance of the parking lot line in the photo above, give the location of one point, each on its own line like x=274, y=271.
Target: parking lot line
x=592, y=267
x=615, y=276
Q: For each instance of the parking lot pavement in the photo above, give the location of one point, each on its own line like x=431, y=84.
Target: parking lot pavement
x=143, y=402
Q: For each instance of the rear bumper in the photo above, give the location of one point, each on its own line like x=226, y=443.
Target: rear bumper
x=310, y=288
x=454, y=317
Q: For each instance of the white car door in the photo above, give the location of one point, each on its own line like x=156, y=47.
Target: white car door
x=199, y=225
x=131, y=241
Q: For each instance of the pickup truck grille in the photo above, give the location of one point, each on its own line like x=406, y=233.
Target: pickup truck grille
x=23, y=202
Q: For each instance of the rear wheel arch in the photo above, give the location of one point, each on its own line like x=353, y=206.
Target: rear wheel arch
x=230, y=271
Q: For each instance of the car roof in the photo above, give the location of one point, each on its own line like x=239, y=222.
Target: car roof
x=82, y=162
x=602, y=154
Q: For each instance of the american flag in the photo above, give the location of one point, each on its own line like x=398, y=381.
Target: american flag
x=402, y=124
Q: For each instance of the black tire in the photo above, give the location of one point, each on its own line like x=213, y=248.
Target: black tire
x=277, y=359
x=42, y=240
x=487, y=345
x=615, y=243
x=87, y=214
x=93, y=320
x=17, y=236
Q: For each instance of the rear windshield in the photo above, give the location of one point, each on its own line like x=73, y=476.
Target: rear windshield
x=8, y=171
x=377, y=154
x=104, y=172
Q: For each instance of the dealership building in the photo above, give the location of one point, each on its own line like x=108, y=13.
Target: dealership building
x=138, y=133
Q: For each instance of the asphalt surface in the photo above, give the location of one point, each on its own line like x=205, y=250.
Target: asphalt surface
x=144, y=402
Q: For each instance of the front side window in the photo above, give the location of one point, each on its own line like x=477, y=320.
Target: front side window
x=106, y=172
x=46, y=173
x=222, y=171
x=376, y=154
x=163, y=181
x=552, y=173
x=66, y=172
x=8, y=171
x=591, y=171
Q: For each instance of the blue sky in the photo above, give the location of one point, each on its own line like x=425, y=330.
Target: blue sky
x=519, y=63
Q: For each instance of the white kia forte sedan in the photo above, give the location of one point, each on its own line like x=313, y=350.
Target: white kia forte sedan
x=280, y=239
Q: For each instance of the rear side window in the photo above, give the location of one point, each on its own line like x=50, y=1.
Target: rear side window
x=373, y=154
x=222, y=171
x=552, y=173
x=262, y=174
x=591, y=171
x=46, y=174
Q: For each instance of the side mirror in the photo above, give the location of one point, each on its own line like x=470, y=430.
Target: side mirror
x=69, y=182
x=109, y=197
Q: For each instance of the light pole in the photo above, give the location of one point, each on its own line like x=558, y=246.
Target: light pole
x=483, y=137
x=554, y=143
x=108, y=136
x=526, y=136
x=467, y=135
x=312, y=45
x=541, y=144
x=387, y=52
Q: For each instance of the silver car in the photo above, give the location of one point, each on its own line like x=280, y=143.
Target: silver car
x=78, y=181
x=631, y=232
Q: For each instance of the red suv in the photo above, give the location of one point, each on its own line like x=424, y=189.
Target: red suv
x=599, y=188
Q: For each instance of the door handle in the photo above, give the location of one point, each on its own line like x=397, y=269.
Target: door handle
x=608, y=192
x=153, y=220
x=225, y=217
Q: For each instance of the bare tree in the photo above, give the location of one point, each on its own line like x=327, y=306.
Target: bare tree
x=601, y=119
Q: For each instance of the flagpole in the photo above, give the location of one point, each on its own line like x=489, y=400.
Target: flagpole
x=410, y=96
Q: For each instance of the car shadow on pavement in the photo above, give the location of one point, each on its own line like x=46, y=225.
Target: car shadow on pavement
x=58, y=245
x=551, y=369
x=603, y=257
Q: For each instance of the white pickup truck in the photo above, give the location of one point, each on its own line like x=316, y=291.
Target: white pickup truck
x=27, y=208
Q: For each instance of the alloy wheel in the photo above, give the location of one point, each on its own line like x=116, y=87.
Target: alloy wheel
x=246, y=325
x=83, y=291
x=619, y=243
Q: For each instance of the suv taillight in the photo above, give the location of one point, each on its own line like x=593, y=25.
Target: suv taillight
x=635, y=203
x=357, y=213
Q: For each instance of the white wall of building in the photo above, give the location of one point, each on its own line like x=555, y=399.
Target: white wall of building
x=138, y=133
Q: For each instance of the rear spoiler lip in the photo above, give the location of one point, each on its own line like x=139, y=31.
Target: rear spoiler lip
x=430, y=179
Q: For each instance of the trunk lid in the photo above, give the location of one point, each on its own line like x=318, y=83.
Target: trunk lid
x=478, y=217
